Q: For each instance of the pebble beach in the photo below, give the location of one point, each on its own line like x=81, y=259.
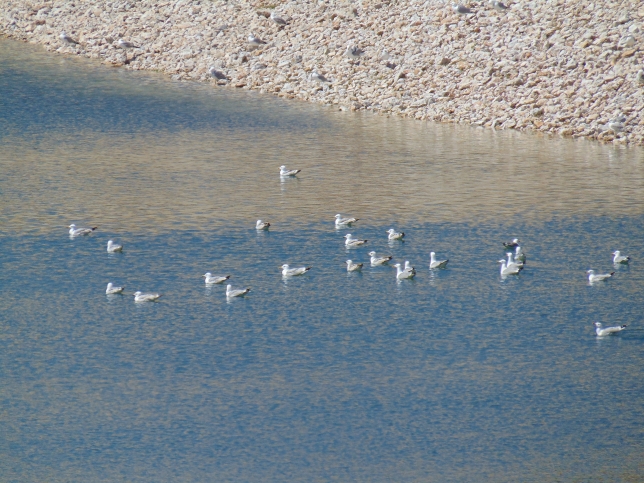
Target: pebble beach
x=561, y=68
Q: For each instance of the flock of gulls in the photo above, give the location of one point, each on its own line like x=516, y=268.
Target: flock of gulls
x=515, y=262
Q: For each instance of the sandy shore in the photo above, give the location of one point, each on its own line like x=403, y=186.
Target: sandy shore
x=570, y=68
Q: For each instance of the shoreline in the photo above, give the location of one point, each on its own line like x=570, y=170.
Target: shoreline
x=573, y=71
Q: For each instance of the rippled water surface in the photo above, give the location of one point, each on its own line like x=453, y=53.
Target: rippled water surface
x=455, y=376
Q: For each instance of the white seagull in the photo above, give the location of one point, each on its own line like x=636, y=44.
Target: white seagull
x=608, y=330
x=433, y=263
x=124, y=44
x=113, y=247
x=340, y=222
x=64, y=36
x=210, y=278
x=460, y=9
x=409, y=268
x=293, y=272
x=316, y=76
x=375, y=261
x=513, y=263
x=146, y=297
x=619, y=258
x=353, y=242
x=395, y=236
x=217, y=74
x=511, y=270
x=73, y=231
x=498, y=6
x=277, y=19
x=256, y=41
x=353, y=267
x=231, y=292
x=111, y=289
x=262, y=225
x=514, y=243
x=598, y=277
x=288, y=172
x=519, y=255
x=403, y=274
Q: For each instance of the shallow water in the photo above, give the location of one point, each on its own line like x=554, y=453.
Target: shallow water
x=455, y=376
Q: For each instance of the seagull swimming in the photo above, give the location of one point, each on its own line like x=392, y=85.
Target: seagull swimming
x=619, y=258
x=498, y=6
x=73, y=231
x=514, y=243
x=433, y=263
x=403, y=274
x=353, y=267
x=598, y=277
x=395, y=236
x=67, y=39
x=460, y=9
x=210, y=278
x=113, y=247
x=353, y=242
x=409, y=268
x=217, y=74
x=124, y=44
x=512, y=262
x=293, y=272
x=608, y=330
x=262, y=225
x=375, y=261
x=288, y=172
x=111, y=289
x=519, y=256
x=511, y=270
x=146, y=297
x=256, y=41
x=354, y=52
x=231, y=292
x=277, y=19
x=340, y=222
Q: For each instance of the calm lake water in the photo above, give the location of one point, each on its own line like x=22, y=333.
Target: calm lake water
x=455, y=376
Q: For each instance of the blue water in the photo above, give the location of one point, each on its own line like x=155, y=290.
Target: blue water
x=455, y=376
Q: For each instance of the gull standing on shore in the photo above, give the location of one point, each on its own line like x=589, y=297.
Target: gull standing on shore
x=601, y=332
x=433, y=263
x=64, y=36
x=146, y=297
x=460, y=9
x=342, y=222
x=498, y=6
x=354, y=52
x=211, y=279
x=353, y=267
x=353, y=242
x=395, y=236
x=619, y=258
x=284, y=173
x=256, y=41
x=113, y=247
x=124, y=44
x=74, y=232
x=231, y=292
x=262, y=225
x=376, y=261
x=277, y=19
x=403, y=274
x=111, y=289
x=598, y=277
x=217, y=74
x=293, y=272
x=316, y=76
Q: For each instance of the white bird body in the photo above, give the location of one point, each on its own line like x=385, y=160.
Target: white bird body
x=277, y=19
x=353, y=242
x=353, y=267
x=393, y=235
x=217, y=74
x=601, y=332
x=433, y=263
x=460, y=9
x=619, y=258
x=288, y=172
x=262, y=225
x=210, y=278
x=316, y=76
x=513, y=263
x=64, y=36
x=513, y=244
x=376, y=261
x=505, y=270
x=519, y=256
x=498, y=6
x=73, y=231
x=402, y=274
x=409, y=268
x=111, y=289
x=293, y=272
x=146, y=297
x=598, y=277
x=113, y=247
x=354, y=52
x=255, y=40
x=124, y=44
x=231, y=292
x=340, y=222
